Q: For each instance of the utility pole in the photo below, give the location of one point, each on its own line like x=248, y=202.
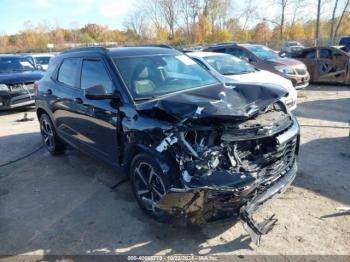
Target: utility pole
x=317, y=37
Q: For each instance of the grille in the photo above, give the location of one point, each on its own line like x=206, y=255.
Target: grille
x=21, y=86
x=267, y=159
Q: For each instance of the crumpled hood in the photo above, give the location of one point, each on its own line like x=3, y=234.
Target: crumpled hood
x=218, y=101
x=20, y=77
x=284, y=61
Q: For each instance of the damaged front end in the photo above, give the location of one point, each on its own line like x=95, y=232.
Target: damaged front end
x=229, y=165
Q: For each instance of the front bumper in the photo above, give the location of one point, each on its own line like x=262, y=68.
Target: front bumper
x=299, y=81
x=10, y=100
x=255, y=230
x=190, y=205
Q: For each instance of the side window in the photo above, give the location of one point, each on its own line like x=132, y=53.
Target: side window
x=240, y=53
x=68, y=71
x=309, y=54
x=235, y=52
x=325, y=53
x=94, y=73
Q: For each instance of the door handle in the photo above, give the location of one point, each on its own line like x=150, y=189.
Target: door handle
x=48, y=92
x=78, y=100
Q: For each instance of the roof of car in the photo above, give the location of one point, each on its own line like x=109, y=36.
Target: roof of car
x=204, y=54
x=13, y=55
x=141, y=51
x=250, y=45
x=126, y=51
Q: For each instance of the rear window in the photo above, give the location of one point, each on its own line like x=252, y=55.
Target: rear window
x=68, y=71
x=309, y=54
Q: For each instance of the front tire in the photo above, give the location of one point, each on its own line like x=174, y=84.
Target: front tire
x=149, y=185
x=49, y=136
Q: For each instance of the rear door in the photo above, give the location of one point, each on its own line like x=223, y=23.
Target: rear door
x=331, y=65
x=62, y=96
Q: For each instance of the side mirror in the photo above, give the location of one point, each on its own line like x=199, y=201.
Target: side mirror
x=99, y=92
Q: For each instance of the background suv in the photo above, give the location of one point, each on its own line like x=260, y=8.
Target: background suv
x=266, y=59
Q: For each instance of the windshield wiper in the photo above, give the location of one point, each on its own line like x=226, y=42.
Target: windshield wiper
x=247, y=71
x=237, y=73
x=231, y=73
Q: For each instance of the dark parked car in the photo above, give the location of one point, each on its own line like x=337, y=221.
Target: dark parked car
x=345, y=41
x=17, y=77
x=326, y=64
x=266, y=59
x=195, y=150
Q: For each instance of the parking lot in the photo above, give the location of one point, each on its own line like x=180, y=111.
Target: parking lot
x=69, y=204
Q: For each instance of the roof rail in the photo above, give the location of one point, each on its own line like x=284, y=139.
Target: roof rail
x=157, y=45
x=90, y=48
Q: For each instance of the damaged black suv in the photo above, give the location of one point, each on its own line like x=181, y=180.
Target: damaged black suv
x=195, y=150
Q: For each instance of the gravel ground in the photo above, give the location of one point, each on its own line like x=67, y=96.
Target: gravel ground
x=64, y=204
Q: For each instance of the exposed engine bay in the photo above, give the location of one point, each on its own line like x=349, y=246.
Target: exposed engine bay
x=225, y=165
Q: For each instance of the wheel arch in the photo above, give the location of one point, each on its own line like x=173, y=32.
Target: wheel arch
x=164, y=161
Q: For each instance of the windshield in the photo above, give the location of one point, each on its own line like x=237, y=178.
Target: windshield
x=42, y=60
x=263, y=52
x=15, y=64
x=229, y=65
x=151, y=76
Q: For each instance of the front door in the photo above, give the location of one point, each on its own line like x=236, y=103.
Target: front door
x=97, y=119
x=331, y=65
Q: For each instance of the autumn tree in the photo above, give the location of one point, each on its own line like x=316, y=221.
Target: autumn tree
x=262, y=33
x=94, y=30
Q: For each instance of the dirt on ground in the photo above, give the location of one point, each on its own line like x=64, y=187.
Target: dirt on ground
x=65, y=205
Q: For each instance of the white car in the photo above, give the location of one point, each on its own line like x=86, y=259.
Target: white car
x=230, y=70
x=41, y=61
x=290, y=47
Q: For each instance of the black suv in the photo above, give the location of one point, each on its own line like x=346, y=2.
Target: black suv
x=195, y=150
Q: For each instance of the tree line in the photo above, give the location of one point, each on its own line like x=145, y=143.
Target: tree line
x=198, y=22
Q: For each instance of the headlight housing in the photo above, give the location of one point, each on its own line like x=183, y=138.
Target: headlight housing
x=285, y=70
x=4, y=87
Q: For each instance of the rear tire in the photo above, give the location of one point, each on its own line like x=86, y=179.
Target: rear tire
x=149, y=184
x=49, y=136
